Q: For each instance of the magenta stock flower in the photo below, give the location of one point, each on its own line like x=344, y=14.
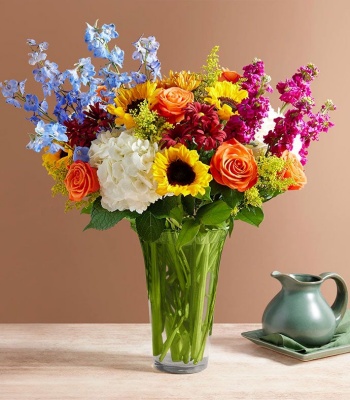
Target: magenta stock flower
x=254, y=108
x=298, y=87
x=299, y=120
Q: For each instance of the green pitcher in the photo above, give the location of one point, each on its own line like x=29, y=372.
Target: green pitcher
x=300, y=311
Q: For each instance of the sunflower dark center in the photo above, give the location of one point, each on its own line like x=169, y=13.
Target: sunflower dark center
x=229, y=102
x=63, y=154
x=180, y=173
x=134, y=105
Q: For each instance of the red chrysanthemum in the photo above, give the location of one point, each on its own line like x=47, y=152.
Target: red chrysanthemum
x=204, y=123
x=82, y=133
x=179, y=134
x=201, y=126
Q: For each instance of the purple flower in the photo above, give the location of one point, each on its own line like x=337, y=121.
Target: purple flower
x=81, y=153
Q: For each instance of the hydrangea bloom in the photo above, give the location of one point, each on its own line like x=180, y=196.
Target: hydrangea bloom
x=124, y=171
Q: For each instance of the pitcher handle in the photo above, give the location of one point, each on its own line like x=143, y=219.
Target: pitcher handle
x=341, y=301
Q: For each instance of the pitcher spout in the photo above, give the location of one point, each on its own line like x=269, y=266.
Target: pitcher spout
x=283, y=278
x=297, y=280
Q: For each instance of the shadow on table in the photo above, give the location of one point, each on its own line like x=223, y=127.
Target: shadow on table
x=243, y=346
x=29, y=358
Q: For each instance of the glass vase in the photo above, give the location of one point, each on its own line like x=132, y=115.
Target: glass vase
x=181, y=286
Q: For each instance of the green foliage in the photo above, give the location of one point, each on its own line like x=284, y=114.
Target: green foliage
x=149, y=227
x=188, y=204
x=162, y=207
x=205, y=196
x=231, y=197
x=214, y=213
x=189, y=230
x=103, y=219
x=251, y=215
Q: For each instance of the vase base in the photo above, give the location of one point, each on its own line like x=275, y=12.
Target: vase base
x=180, y=367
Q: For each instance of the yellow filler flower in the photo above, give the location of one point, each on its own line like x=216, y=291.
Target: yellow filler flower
x=129, y=99
x=225, y=96
x=178, y=170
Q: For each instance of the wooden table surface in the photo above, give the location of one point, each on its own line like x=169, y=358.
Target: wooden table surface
x=113, y=361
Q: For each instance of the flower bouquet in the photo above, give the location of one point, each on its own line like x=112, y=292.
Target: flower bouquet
x=180, y=156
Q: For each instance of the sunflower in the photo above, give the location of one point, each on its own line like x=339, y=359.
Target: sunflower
x=57, y=161
x=129, y=99
x=225, y=96
x=184, y=80
x=178, y=170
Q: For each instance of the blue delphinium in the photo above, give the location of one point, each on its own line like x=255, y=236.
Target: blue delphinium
x=81, y=153
x=80, y=87
x=146, y=52
x=138, y=77
x=97, y=39
x=12, y=90
x=116, y=56
x=48, y=135
x=31, y=103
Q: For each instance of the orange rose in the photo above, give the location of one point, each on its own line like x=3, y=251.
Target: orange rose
x=234, y=165
x=230, y=76
x=294, y=170
x=172, y=102
x=81, y=180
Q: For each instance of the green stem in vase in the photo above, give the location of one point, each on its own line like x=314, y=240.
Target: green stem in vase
x=155, y=300
x=181, y=289
x=199, y=299
x=170, y=339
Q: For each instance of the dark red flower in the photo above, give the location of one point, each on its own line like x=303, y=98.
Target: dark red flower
x=82, y=133
x=179, y=134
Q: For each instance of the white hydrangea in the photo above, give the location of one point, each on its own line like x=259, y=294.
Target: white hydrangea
x=124, y=169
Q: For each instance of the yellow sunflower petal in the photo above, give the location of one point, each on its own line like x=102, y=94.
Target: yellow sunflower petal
x=224, y=93
x=128, y=99
x=178, y=170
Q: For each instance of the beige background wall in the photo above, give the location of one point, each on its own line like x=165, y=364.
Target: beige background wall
x=52, y=271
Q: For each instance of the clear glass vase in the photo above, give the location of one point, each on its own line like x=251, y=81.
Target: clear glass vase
x=181, y=286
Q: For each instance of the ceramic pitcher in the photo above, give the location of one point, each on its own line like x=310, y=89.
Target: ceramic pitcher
x=300, y=311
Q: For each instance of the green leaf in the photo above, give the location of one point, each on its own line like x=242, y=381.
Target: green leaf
x=231, y=197
x=177, y=214
x=87, y=209
x=102, y=219
x=216, y=188
x=188, y=232
x=188, y=203
x=214, y=213
x=149, y=227
x=162, y=207
x=251, y=215
x=268, y=195
x=231, y=226
x=205, y=196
